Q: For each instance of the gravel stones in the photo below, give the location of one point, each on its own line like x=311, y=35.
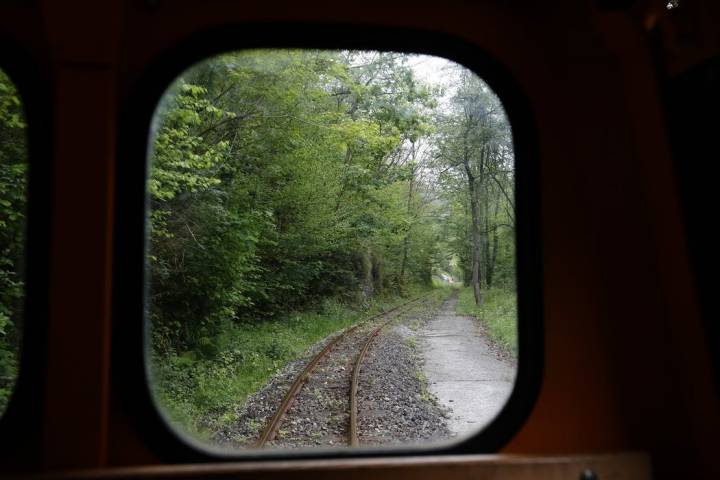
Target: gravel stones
x=259, y=407
x=320, y=414
x=394, y=405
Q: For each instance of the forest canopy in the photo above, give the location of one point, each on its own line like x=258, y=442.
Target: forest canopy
x=284, y=183
x=279, y=178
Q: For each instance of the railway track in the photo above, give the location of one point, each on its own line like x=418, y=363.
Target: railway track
x=364, y=339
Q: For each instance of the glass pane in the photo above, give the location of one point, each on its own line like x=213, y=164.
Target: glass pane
x=332, y=251
x=13, y=203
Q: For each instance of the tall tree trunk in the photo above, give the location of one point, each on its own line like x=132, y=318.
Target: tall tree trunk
x=484, y=243
x=475, y=237
x=493, y=258
x=490, y=269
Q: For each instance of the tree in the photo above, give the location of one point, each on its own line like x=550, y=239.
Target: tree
x=474, y=144
x=279, y=178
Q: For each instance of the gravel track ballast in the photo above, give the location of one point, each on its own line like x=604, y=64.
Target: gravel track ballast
x=394, y=404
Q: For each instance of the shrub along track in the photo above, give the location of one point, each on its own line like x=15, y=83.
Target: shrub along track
x=324, y=413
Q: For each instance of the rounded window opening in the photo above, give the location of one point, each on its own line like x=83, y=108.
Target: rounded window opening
x=331, y=251
x=13, y=206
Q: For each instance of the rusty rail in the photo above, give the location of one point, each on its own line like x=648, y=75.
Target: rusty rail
x=272, y=427
x=354, y=440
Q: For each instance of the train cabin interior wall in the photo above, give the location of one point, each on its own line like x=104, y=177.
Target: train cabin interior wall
x=628, y=358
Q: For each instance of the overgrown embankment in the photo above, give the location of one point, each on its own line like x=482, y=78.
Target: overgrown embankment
x=200, y=389
x=498, y=315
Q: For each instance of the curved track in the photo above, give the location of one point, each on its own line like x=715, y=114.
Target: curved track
x=272, y=427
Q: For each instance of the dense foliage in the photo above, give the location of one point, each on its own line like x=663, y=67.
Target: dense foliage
x=284, y=182
x=13, y=198
x=290, y=191
x=280, y=178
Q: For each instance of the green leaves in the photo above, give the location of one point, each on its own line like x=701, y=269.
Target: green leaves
x=281, y=180
x=183, y=160
x=13, y=201
x=273, y=173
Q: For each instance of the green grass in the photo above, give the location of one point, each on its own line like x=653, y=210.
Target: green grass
x=200, y=395
x=498, y=314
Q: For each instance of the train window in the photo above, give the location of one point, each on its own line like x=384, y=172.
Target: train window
x=13, y=200
x=331, y=251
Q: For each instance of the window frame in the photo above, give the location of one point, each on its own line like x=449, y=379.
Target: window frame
x=21, y=422
x=129, y=378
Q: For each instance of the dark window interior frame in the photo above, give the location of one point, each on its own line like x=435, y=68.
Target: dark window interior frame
x=21, y=423
x=691, y=102
x=129, y=380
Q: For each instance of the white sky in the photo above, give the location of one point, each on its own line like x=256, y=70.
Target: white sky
x=434, y=70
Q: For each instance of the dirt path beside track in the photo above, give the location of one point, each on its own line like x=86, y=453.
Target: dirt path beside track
x=463, y=370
